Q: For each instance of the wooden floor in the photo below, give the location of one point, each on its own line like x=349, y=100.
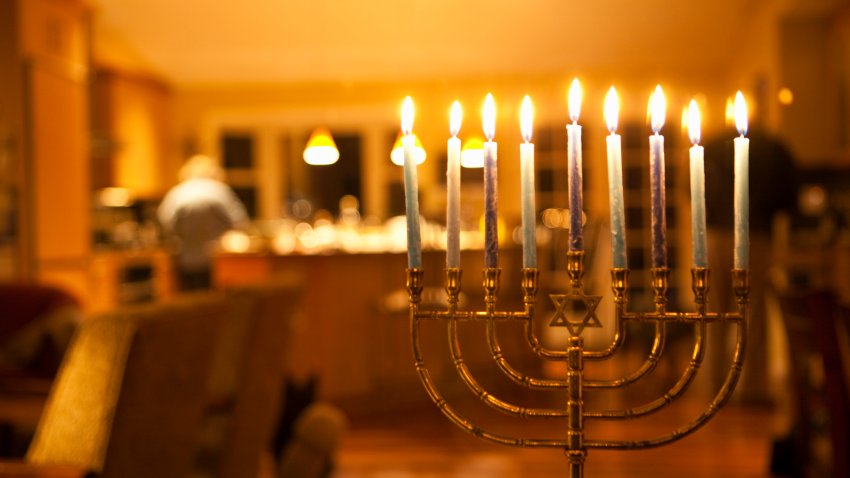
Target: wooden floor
x=423, y=443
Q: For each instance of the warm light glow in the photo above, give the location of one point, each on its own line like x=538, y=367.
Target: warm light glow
x=730, y=111
x=574, y=100
x=612, y=110
x=488, y=117
x=407, y=116
x=526, y=118
x=472, y=153
x=397, y=154
x=785, y=96
x=694, y=120
x=115, y=197
x=658, y=109
x=321, y=149
x=455, y=118
x=236, y=241
x=740, y=113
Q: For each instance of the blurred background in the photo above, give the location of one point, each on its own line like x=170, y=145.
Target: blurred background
x=102, y=101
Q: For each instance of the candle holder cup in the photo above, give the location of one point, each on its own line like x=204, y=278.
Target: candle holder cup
x=575, y=415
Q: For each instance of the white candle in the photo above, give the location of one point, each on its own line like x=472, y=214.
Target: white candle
x=526, y=158
x=742, y=186
x=453, y=190
x=698, y=233
x=615, y=181
x=658, y=110
x=411, y=187
x=574, y=169
x=491, y=198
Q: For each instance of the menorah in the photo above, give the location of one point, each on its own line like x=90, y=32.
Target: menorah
x=574, y=354
x=576, y=310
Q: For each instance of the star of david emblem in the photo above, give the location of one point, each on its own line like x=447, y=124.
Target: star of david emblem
x=575, y=304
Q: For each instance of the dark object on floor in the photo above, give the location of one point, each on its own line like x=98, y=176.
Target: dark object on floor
x=297, y=396
x=315, y=440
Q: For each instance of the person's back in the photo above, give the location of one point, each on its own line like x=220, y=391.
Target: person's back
x=195, y=213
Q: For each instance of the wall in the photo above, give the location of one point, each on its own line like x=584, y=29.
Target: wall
x=134, y=121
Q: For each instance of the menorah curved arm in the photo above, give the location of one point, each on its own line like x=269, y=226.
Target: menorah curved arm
x=453, y=415
x=538, y=347
x=648, y=365
x=620, y=286
x=674, y=392
x=719, y=400
x=511, y=372
x=484, y=395
x=559, y=355
x=617, y=342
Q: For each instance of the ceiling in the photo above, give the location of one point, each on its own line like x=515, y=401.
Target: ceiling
x=202, y=41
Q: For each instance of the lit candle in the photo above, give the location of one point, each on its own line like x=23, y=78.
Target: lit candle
x=491, y=205
x=742, y=186
x=658, y=107
x=615, y=180
x=526, y=158
x=697, y=188
x=574, y=167
x=411, y=187
x=453, y=190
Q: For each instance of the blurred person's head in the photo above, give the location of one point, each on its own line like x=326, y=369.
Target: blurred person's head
x=201, y=167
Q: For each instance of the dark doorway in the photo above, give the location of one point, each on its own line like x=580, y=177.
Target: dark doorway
x=330, y=183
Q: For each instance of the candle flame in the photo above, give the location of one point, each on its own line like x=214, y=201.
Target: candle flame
x=526, y=118
x=574, y=100
x=658, y=109
x=612, y=110
x=488, y=117
x=407, y=116
x=694, y=120
x=455, y=118
x=740, y=113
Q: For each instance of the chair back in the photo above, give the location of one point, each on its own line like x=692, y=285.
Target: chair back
x=247, y=376
x=128, y=397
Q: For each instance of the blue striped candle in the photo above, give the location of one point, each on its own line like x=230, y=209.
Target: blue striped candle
x=411, y=187
x=491, y=197
x=656, y=180
x=615, y=181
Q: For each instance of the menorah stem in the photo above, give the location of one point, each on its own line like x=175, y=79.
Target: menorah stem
x=575, y=451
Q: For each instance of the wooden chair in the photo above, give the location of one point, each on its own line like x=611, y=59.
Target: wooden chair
x=244, y=392
x=128, y=396
x=817, y=327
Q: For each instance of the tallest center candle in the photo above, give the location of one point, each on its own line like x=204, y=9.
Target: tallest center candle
x=574, y=168
x=658, y=106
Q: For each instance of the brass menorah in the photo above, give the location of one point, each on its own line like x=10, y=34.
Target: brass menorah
x=574, y=354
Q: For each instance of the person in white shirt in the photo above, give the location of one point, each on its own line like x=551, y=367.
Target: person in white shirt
x=194, y=214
